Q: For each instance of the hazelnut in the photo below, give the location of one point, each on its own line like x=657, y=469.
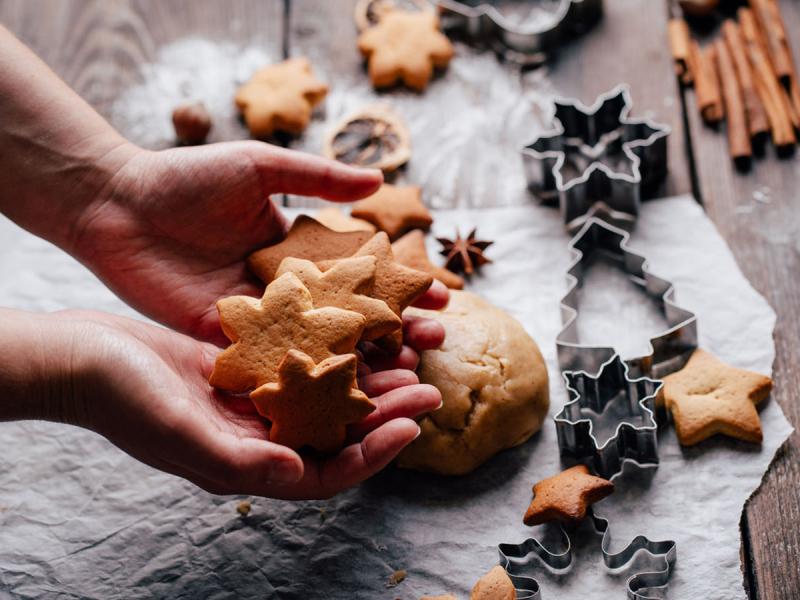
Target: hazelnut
x=192, y=123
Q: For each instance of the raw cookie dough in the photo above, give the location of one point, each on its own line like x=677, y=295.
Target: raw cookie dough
x=488, y=360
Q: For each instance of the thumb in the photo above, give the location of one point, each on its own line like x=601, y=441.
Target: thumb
x=285, y=171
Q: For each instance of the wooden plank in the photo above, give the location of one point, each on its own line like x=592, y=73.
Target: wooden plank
x=758, y=213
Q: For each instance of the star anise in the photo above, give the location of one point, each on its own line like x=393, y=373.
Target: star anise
x=464, y=255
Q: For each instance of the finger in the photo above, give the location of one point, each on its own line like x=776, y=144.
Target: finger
x=405, y=402
x=292, y=172
x=421, y=333
x=436, y=298
x=376, y=384
x=378, y=360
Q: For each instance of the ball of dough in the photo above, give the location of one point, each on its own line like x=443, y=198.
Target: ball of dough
x=493, y=382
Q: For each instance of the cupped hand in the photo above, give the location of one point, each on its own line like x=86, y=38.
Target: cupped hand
x=145, y=388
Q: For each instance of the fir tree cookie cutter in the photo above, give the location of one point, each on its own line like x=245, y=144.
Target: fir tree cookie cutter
x=598, y=160
x=526, y=44
x=654, y=560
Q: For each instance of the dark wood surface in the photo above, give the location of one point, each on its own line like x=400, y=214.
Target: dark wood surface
x=98, y=47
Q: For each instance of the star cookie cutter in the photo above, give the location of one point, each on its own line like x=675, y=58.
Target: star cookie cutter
x=598, y=160
x=655, y=561
x=526, y=44
x=610, y=396
x=669, y=350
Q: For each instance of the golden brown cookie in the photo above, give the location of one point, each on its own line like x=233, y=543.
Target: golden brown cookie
x=394, y=209
x=708, y=397
x=348, y=285
x=374, y=136
x=410, y=251
x=566, y=497
x=335, y=219
x=405, y=46
x=307, y=239
x=280, y=97
x=262, y=331
x=311, y=405
x=395, y=284
x=495, y=585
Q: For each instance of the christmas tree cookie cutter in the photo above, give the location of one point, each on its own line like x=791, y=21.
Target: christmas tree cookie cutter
x=598, y=160
x=526, y=44
x=654, y=561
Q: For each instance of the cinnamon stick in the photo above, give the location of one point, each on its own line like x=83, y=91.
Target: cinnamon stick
x=679, y=41
x=757, y=123
x=706, y=83
x=772, y=95
x=769, y=19
x=738, y=136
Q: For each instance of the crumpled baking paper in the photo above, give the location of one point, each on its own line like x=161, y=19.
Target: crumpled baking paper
x=78, y=518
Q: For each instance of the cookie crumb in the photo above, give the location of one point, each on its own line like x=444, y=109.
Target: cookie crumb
x=244, y=507
x=396, y=578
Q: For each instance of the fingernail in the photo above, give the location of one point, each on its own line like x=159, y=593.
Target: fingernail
x=441, y=404
x=419, y=432
x=284, y=471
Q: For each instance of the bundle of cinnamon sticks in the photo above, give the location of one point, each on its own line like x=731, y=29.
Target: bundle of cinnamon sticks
x=746, y=76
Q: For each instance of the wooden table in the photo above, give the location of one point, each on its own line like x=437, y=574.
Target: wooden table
x=98, y=46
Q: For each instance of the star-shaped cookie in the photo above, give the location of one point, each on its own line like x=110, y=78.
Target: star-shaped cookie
x=307, y=239
x=394, y=209
x=395, y=284
x=410, y=251
x=311, y=405
x=280, y=97
x=347, y=285
x=405, y=46
x=707, y=397
x=335, y=219
x=566, y=497
x=262, y=331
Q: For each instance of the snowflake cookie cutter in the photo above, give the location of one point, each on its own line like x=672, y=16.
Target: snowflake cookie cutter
x=598, y=160
x=669, y=350
x=655, y=561
x=525, y=44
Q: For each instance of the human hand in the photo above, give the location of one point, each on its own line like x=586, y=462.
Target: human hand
x=145, y=388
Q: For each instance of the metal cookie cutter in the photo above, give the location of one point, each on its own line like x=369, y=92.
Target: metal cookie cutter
x=669, y=350
x=656, y=561
x=610, y=396
x=526, y=44
x=598, y=160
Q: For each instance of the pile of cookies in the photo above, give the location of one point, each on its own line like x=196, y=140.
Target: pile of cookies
x=294, y=350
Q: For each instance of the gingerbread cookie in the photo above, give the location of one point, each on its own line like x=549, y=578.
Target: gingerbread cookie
x=280, y=98
x=395, y=284
x=405, y=46
x=347, y=285
x=307, y=239
x=708, y=397
x=335, y=219
x=410, y=251
x=262, y=331
x=566, y=497
x=311, y=405
x=495, y=585
x=394, y=209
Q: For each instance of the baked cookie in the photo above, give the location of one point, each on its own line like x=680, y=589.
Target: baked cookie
x=374, y=136
x=410, y=251
x=347, y=285
x=280, y=97
x=311, y=405
x=394, y=209
x=192, y=123
x=708, y=397
x=335, y=219
x=494, y=388
x=397, y=285
x=405, y=46
x=307, y=239
x=566, y=497
x=495, y=585
x=264, y=330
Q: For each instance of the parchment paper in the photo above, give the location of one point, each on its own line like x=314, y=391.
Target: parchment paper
x=78, y=518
